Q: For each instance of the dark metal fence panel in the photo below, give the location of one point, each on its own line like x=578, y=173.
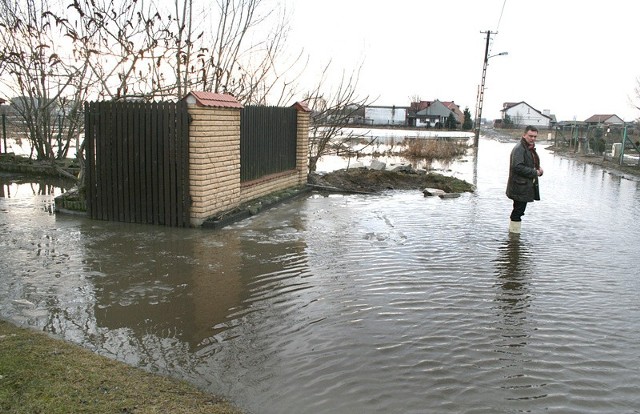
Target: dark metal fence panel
x=268, y=139
x=137, y=167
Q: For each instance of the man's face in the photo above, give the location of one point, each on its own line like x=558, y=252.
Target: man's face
x=530, y=137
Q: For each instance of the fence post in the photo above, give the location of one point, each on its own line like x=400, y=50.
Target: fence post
x=624, y=142
x=4, y=131
x=302, y=156
x=214, y=154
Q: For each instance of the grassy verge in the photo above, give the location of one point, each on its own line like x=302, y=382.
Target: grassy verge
x=40, y=374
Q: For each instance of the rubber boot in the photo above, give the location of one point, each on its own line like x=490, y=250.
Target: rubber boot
x=514, y=227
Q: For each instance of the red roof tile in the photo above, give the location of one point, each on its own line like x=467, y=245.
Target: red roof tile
x=217, y=100
x=302, y=106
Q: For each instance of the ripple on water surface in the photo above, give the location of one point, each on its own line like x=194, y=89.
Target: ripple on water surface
x=347, y=304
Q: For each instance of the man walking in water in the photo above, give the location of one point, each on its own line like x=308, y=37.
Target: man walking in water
x=524, y=171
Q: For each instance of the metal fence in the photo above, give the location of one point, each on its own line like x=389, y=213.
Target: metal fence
x=617, y=143
x=268, y=141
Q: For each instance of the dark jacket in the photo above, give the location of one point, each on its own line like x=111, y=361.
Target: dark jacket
x=523, y=177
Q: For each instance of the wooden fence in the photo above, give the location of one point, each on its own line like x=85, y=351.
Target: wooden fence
x=137, y=162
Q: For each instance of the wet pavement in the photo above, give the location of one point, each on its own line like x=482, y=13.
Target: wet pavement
x=357, y=303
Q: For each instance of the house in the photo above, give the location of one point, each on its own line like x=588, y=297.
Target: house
x=385, y=115
x=433, y=114
x=522, y=114
x=455, y=108
x=604, y=119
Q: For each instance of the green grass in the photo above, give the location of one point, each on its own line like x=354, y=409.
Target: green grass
x=40, y=374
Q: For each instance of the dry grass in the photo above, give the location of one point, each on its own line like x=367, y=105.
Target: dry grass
x=39, y=374
x=432, y=149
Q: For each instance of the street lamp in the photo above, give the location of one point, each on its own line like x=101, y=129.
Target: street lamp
x=481, y=90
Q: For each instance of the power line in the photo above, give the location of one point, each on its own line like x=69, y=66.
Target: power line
x=504, y=4
x=501, y=14
x=487, y=56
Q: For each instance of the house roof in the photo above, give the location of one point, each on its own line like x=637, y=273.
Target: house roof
x=508, y=105
x=419, y=106
x=451, y=105
x=600, y=119
x=386, y=107
x=211, y=99
x=455, y=108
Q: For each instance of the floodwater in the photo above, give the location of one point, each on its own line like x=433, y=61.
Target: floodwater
x=390, y=303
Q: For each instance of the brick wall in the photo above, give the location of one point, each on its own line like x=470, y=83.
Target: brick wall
x=214, y=159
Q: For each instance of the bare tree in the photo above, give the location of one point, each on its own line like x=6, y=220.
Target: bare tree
x=332, y=112
x=414, y=102
x=123, y=43
x=236, y=60
x=48, y=87
x=147, y=51
x=414, y=108
x=54, y=57
x=637, y=92
x=115, y=49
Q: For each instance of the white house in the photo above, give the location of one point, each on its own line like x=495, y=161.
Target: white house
x=521, y=114
x=385, y=115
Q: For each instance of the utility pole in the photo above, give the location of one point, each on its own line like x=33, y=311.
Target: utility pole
x=481, y=90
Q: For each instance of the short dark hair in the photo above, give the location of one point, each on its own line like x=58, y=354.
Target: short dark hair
x=530, y=128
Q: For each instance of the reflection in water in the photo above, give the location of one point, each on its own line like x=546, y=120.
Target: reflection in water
x=12, y=186
x=513, y=272
x=513, y=298
x=170, y=280
x=18, y=187
x=169, y=299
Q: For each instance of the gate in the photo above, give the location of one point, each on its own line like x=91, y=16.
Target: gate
x=137, y=162
x=268, y=141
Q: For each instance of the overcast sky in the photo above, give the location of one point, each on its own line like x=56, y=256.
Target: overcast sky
x=574, y=58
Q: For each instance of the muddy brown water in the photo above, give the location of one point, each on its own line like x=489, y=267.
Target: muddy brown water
x=357, y=303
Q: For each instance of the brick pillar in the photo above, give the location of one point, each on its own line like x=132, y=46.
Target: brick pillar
x=302, y=155
x=214, y=154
